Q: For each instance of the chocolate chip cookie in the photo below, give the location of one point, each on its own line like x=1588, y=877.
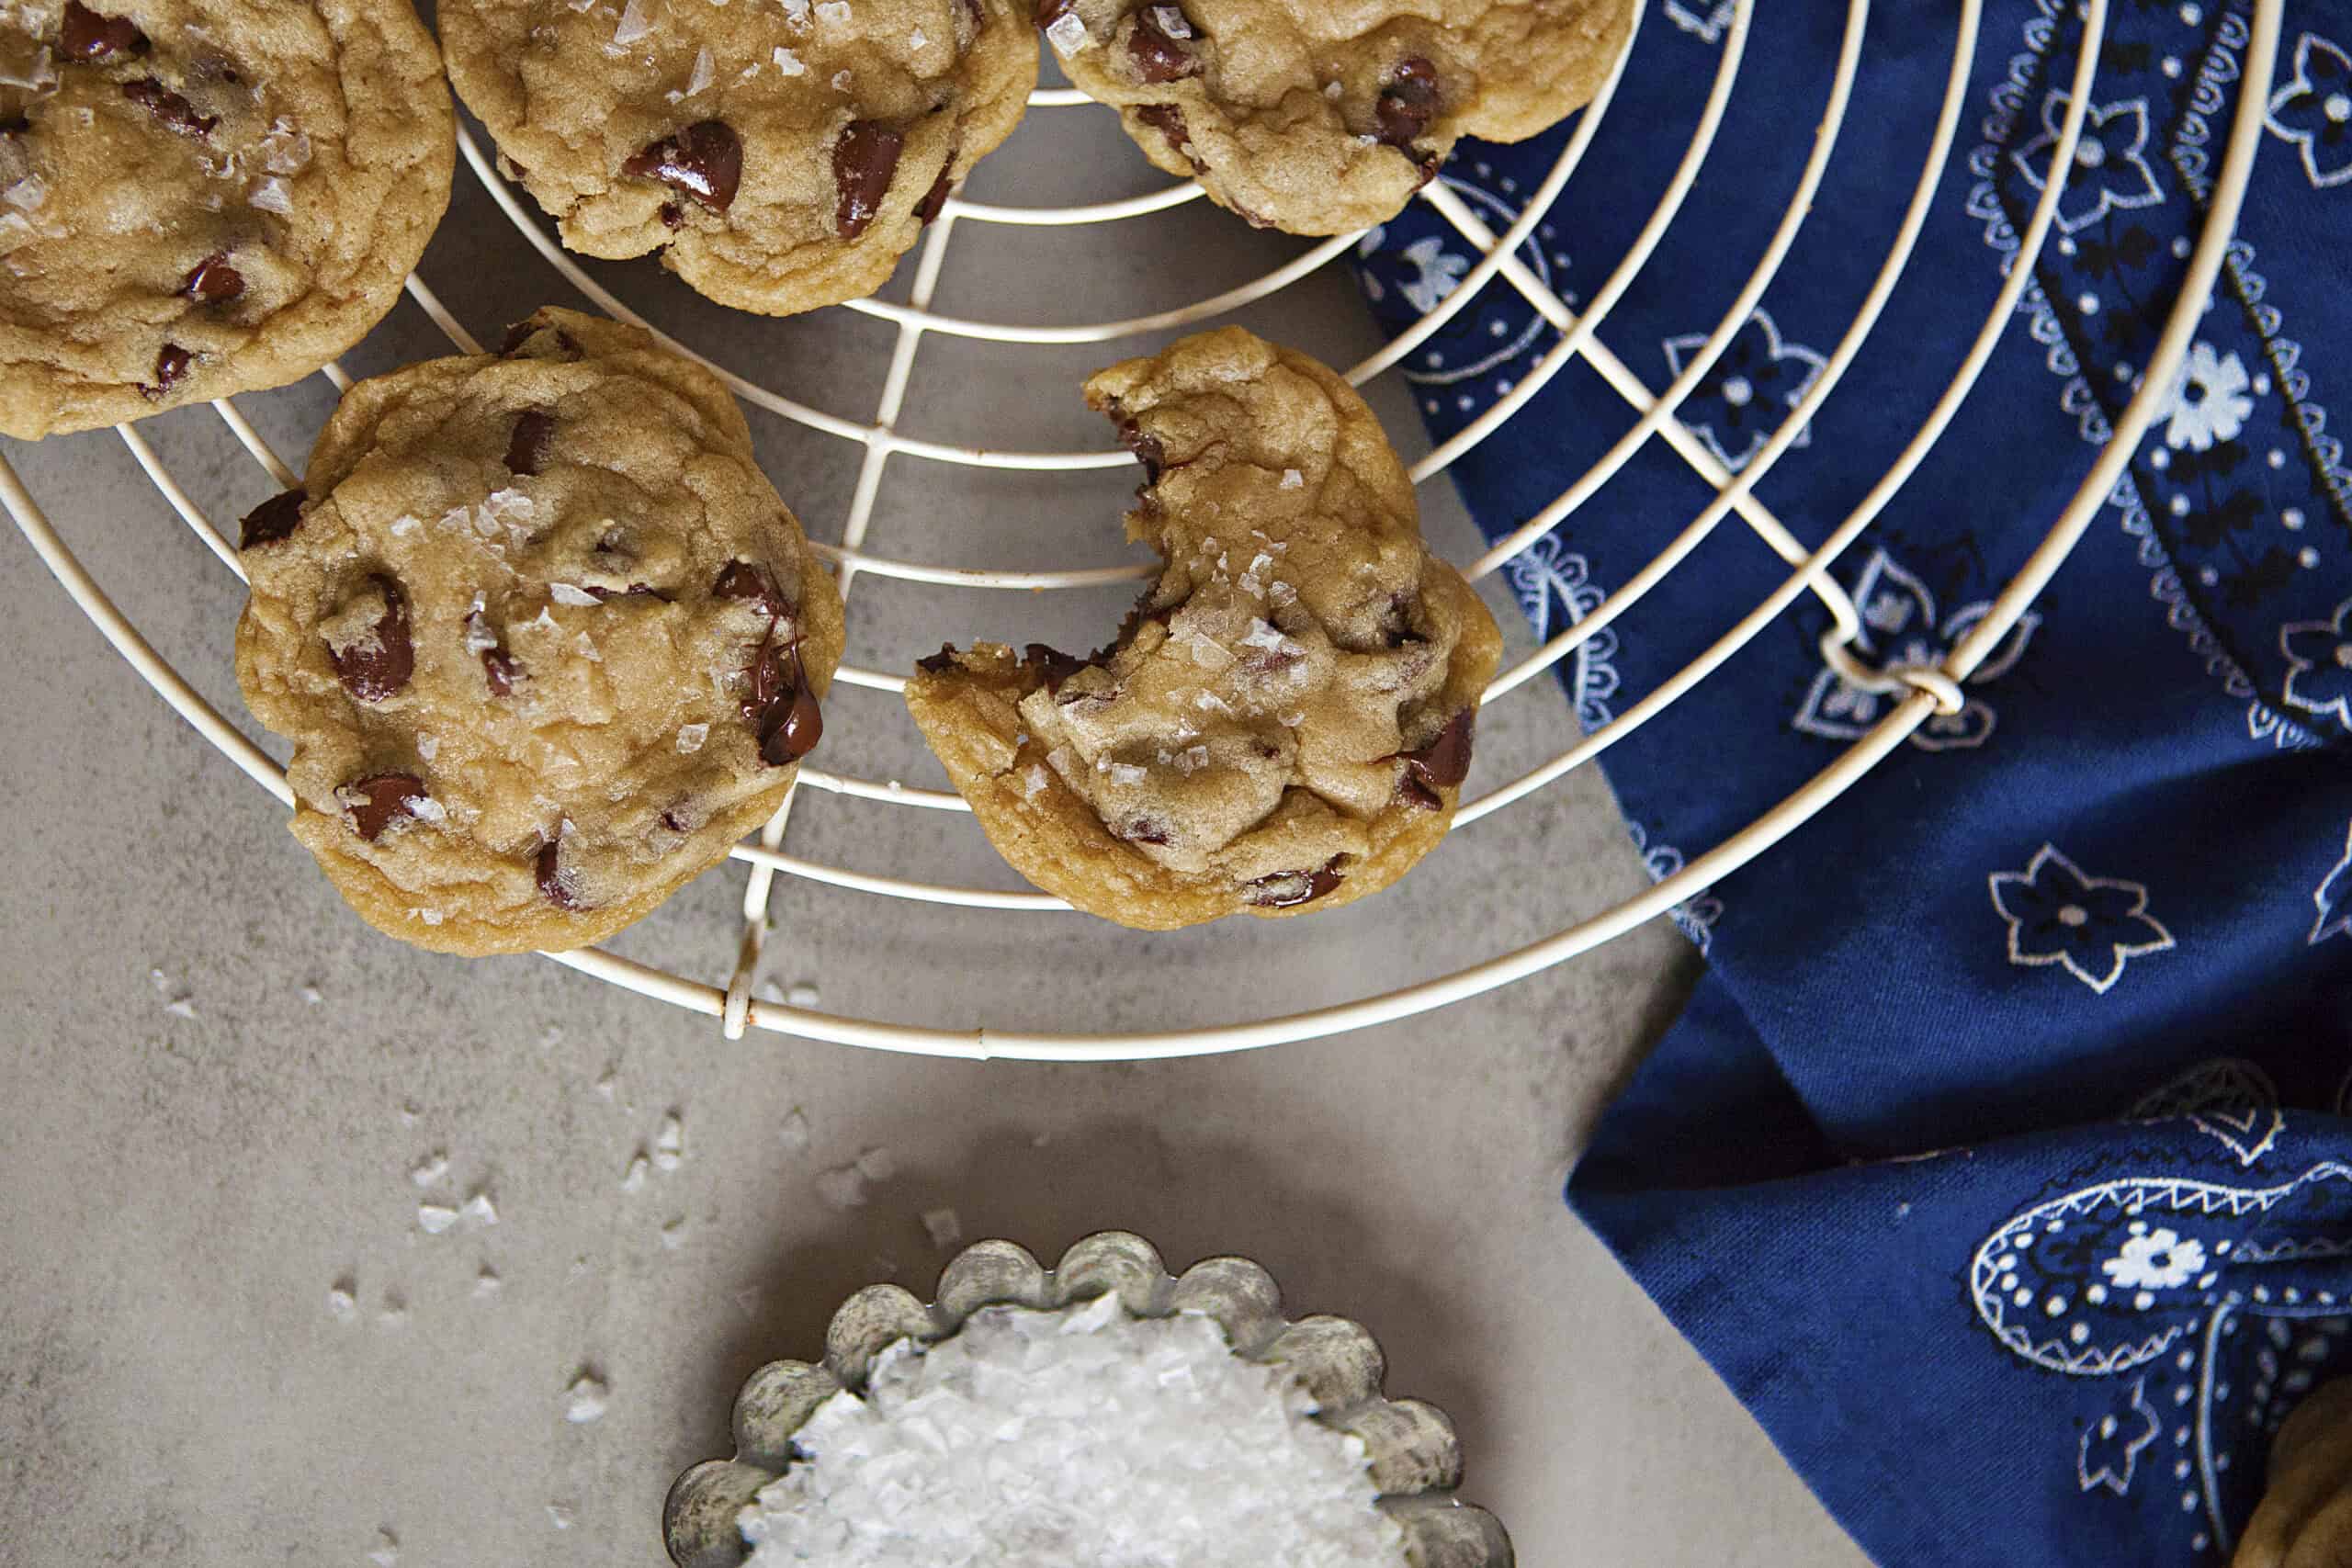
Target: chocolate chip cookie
x=1284, y=722
x=545, y=640
x=781, y=154
x=1323, y=118
x=198, y=199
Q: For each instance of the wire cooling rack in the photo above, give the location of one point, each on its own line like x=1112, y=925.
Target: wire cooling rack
x=1918, y=692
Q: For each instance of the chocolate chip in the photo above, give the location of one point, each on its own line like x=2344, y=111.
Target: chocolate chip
x=938, y=663
x=170, y=368
x=527, y=449
x=672, y=216
x=501, y=670
x=15, y=125
x=383, y=799
x=603, y=595
x=1289, y=889
x=704, y=161
x=1057, y=666
x=864, y=160
x=378, y=666
x=1444, y=761
x=213, y=281
x=1156, y=47
x=1416, y=794
x=1144, y=830
x=1408, y=103
x=750, y=580
x=89, y=36
x=168, y=108
x=1147, y=449
x=796, y=732
x=1168, y=120
x=557, y=883
x=935, y=200
x=273, y=520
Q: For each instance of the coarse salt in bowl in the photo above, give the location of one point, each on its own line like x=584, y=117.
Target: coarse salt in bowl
x=1102, y=1415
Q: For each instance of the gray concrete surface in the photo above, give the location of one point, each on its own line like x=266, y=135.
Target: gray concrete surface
x=218, y=1082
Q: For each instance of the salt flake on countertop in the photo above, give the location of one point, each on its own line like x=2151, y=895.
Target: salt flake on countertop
x=669, y=1143
x=1082, y=1436
x=876, y=1164
x=585, y=1401
x=435, y=1218
x=793, y=1130
x=804, y=994
x=946, y=1227
x=481, y=1210
x=387, y=1550
x=842, y=1188
x=342, y=1301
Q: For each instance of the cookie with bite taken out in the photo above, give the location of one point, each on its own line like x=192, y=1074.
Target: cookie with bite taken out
x=1284, y=722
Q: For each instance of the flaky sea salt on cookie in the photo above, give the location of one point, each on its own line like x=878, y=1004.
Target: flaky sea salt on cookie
x=1320, y=118
x=199, y=198
x=1284, y=722
x=780, y=154
x=546, y=641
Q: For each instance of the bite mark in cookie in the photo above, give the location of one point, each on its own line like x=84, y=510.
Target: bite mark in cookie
x=1284, y=723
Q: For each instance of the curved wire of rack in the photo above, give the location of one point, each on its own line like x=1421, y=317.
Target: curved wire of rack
x=1921, y=691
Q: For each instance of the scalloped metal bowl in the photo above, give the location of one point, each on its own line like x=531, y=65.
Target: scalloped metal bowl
x=1416, y=1461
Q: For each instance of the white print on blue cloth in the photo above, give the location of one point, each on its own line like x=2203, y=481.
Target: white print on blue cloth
x=1757, y=380
x=2319, y=665
x=1706, y=23
x=2221, y=522
x=1554, y=587
x=2334, y=897
x=2152, y=1276
x=2111, y=171
x=1695, y=916
x=2092, y=925
x=1476, y=352
x=1901, y=630
x=2313, y=110
x=2229, y=1100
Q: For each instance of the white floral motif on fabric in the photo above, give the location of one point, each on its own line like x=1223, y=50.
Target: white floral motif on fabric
x=1901, y=630
x=2209, y=400
x=2111, y=171
x=1706, y=23
x=2230, y=1099
x=2313, y=110
x=2154, y=1260
x=1696, y=916
x=1759, y=377
x=2091, y=925
x=1483, y=340
x=2334, y=897
x=2319, y=664
x=1554, y=587
x=2106, y=1278
x=2111, y=1450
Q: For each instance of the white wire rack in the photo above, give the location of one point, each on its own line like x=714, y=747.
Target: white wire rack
x=1920, y=691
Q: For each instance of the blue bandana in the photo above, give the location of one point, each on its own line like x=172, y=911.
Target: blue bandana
x=2000, y=1165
